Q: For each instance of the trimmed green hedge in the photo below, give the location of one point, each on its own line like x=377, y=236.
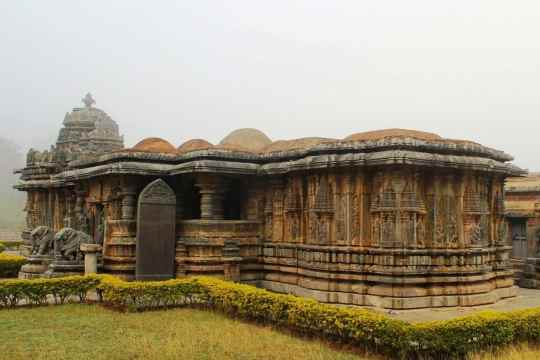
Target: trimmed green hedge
x=10, y=244
x=44, y=291
x=10, y=265
x=367, y=329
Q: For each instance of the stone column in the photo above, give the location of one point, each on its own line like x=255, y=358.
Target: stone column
x=90, y=258
x=68, y=197
x=80, y=216
x=129, y=203
x=212, y=190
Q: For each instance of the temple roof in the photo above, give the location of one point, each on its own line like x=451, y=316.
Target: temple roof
x=194, y=145
x=154, y=144
x=250, y=152
x=390, y=133
x=246, y=139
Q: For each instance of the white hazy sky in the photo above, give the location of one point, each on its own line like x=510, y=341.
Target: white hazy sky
x=199, y=69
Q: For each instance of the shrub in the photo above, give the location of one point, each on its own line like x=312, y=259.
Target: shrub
x=10, y=244
x=2, y=247
x=151, y=294
x=40, y=291
x=10, y=265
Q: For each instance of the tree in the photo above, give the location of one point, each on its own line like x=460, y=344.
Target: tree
x=11, y=200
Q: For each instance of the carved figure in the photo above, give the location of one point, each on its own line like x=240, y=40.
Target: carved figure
x=475, y=234
x=42, y=239
x=67, y=243
x=83, y=221
x=503, y=232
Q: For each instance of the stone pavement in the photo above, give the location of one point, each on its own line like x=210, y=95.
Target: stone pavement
x=527, y=298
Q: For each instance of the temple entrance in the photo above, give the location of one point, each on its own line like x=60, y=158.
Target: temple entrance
x=156, y=232
x=518, y=228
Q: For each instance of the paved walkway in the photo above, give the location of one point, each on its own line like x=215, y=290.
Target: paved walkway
x=526, y=298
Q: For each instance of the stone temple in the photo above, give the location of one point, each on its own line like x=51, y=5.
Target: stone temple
x=393, y=218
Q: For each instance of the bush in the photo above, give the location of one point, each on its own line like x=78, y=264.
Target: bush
x=10, y=265
x=39, y=291
x=2, y=247
x=10, y=244
x=151, y=294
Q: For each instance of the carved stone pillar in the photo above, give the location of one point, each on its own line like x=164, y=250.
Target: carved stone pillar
x=90, y=257
x=278, y=188
x=68, y=198
x=212, y=194
x=129, y=203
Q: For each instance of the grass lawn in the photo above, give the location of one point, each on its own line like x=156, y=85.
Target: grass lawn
x=92, y=332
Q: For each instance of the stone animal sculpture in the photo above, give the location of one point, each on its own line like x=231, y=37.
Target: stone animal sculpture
x=67, y=243
x=42, y=239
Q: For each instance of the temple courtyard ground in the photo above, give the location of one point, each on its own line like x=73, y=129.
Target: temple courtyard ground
x=93, y=332
x=527, y=298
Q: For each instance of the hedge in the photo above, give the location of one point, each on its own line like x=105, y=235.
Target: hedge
x=43, y=291
x=363, y=328
x=10, y=244
x=10, y=265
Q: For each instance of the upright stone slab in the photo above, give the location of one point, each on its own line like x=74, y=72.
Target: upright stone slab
x=156, y=232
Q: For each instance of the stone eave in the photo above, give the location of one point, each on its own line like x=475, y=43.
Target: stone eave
x=42, y=184
x=381, y=158
x=519, y=214
x=157, y=169
x=392, y=157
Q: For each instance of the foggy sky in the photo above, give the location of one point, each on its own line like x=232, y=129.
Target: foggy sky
x=200, y=69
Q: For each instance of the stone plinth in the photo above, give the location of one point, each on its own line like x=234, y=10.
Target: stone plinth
x=530, y=277
x=90, y=257
x=36, y=267
x=61, y=267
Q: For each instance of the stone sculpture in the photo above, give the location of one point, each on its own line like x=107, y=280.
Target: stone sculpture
x=42, y=240
x=67, y=243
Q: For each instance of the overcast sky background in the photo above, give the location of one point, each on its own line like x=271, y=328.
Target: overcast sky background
x=200, y=69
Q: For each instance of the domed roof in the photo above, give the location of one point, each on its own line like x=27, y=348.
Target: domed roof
x=387, y=133
x=154, y=145
x=193, y=145
x=250, y=139
x=296, y=144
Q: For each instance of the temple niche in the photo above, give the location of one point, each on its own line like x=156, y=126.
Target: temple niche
x=394, y=218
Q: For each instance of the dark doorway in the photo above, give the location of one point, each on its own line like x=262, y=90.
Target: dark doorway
x=234, y=200
x=156, y=224
x=518, y=228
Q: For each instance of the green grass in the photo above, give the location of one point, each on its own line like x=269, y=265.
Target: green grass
x=92, y=332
